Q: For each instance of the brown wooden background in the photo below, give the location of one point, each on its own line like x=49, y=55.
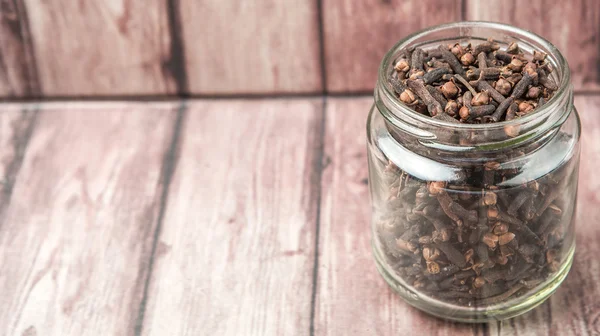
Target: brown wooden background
x=199, y=48
x=231, y=216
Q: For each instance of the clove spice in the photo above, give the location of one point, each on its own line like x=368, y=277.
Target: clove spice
x=474, y=242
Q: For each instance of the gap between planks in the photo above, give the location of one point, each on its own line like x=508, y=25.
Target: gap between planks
x=86, y=100
x=318, y=172
x=168, y=168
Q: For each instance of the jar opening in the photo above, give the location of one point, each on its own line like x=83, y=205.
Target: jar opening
x=493, y=136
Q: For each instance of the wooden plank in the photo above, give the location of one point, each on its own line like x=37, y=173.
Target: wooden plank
x=351, y=295
x=80, y=224
x=359, y=33
x=96, y=48
x=571, y=25
x=237, y=255
x=18, y=74
x=251, y=47
x=16, y=124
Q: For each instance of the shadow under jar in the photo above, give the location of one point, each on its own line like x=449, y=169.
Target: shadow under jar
x=473, y=222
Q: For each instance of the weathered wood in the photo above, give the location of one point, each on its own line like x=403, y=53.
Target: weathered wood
x=351, y=295
x=18, y=74
x=571, y=25
x=97, y=48
x=359, y=33
x=16, y=125
x=76, y=237
x=236, y=253
x=250, y=47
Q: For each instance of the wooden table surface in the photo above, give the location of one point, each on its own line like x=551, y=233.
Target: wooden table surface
x=223, y=217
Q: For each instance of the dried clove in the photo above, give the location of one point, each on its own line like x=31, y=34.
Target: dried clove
x=466, y=84
x=486, y=87
x=518, y=202
x=478, y=111
x=484, y=74
x=546, y=81
x=453, y=255
x=485, y=47
x=481, y=60
x=503, y=87
x=503, y=56
x=501, y=297
x=451, y=59
x=521, y=86
x=435, y=75
x=433, y=106
x=416, y=62
x=397, y=85
x=445, y=202
x=467, y=59
x=437, y=95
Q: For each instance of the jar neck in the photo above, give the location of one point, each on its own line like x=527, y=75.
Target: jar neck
x=428, y=135
x=484, y=139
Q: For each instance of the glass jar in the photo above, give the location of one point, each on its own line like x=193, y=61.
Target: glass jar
x=473, y=222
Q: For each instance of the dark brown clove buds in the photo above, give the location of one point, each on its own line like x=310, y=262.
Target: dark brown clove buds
x=515, y=64
x=539, y=56
x=418, y=87
x=451, y=59
x=500, y=229
x=467, y=59
x=456, y=49
x=503, y=86
x=491, y=240
x=435, y=75
x=513, y=48
x=506, y=238
x=451, y=108
x=402, y=65
x=471, y=240
x=490, y=198
x=436, y=187
x=533, y=92
x=481, y=98
x=449, y=90
x=525, y=107
x=408, y=97
x=433, y=267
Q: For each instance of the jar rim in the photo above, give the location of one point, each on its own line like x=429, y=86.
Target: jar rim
x=540, y=112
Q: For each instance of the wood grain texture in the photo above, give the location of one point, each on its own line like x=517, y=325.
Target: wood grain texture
x=98, y=48
x=18, y=73
x=16, y=125
x=573, y=26
x=236, y=253
x=351, y=295
x=251, y=47
x=79, y=227
x=359, y=33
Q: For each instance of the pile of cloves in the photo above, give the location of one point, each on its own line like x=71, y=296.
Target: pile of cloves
x=473, y=243
x=467, y=84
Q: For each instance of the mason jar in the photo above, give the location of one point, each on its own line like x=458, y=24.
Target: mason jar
x=473, y=222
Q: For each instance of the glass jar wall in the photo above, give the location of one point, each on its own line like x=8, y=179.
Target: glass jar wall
x=473, y=222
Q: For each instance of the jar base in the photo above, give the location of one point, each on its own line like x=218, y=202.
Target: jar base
x=498, y=312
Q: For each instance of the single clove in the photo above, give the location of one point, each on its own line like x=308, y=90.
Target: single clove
x=451, y=60
x=433, y=106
